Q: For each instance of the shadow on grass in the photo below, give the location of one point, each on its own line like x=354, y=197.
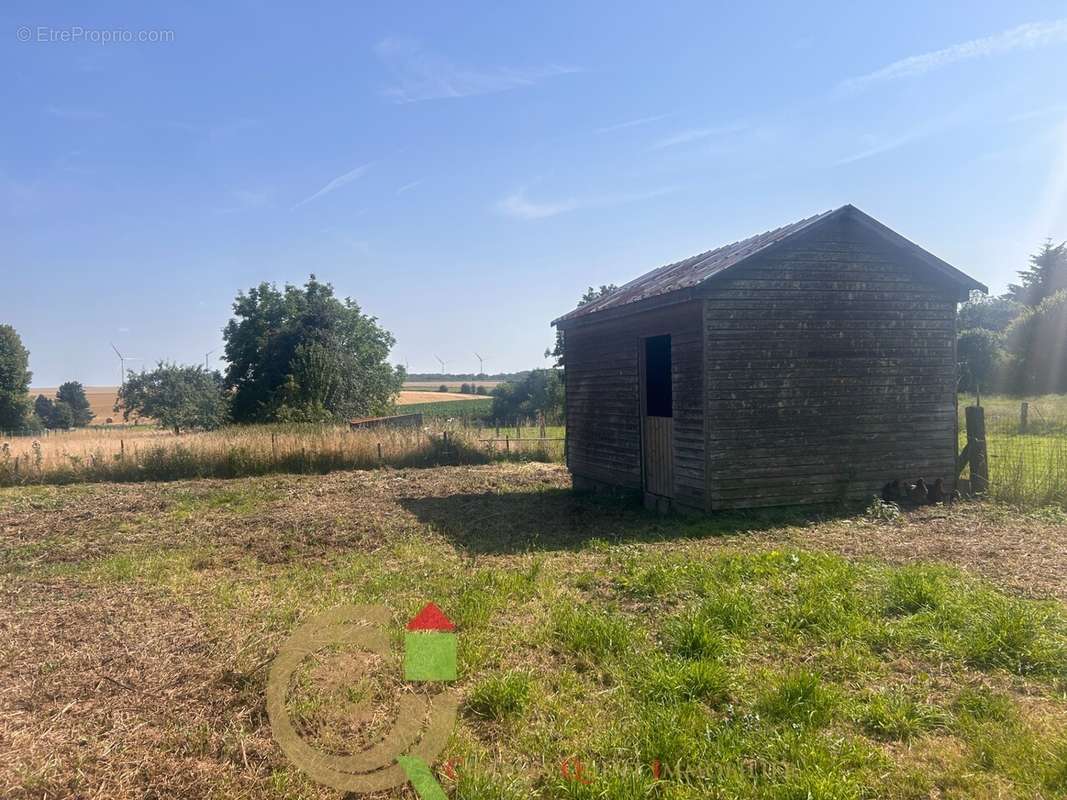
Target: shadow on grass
x=561, y=519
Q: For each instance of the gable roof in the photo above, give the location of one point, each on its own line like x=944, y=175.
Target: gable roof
x=693, y=271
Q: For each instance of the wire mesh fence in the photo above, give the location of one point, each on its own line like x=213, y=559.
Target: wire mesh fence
x=1027, y=445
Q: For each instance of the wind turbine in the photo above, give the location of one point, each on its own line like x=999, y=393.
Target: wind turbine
x=481, y=369
x=122, y=364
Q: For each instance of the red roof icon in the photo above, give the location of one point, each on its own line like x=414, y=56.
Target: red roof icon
x=431, y=618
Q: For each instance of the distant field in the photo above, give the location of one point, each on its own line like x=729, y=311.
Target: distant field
x=443, y=406
x=408, y=398
x=101, y=401
x=453, y=386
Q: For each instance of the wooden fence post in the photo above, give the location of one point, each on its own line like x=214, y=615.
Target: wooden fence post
x=976, y=449
x=1024, y=416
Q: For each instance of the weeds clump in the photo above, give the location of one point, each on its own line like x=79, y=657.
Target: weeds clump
x=501, y=696
x=800, y=697
x=896, y=714
x=591, y=633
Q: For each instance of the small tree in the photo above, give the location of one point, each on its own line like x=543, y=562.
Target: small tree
x=443, y=387
x=73, y=394
x=177, y=397
x=14, y=381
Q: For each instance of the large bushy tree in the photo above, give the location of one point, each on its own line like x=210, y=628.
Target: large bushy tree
x=539, y=392
x=1036, y=343
x=303, y=354
x=178, y=397
x=73, y=394
x=14, y=381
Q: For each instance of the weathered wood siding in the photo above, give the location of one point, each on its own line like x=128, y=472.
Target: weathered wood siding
x=604, y=400
x=830, y=370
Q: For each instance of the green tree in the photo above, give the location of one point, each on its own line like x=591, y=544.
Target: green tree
x=14, y=381
x=303, y=354
x=539, y=392
x=979, y=353
x=178, y=397
x=990, y=313
x=63, y=417
x=1036, y=343
x=556, y=351
x=44, y=409
x=73, y=394
x=1046, y=275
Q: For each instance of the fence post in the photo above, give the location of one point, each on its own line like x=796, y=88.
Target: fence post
x=1024, y=416
x=976, y=447
x=379, y=452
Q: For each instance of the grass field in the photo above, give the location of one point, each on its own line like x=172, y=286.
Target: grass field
x=1025, y=467
x=766, y=655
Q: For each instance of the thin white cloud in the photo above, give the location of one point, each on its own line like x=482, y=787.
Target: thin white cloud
x=632, y=123
x=75, y=114
x=420, y=75
x=336, y=183
x=696, y=135
x=880, y=145
x=1029, y=36
x=409, y=186
x=519, y=206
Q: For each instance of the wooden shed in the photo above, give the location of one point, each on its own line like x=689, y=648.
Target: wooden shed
x=811, y=363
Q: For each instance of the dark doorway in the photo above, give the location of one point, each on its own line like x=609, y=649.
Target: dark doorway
x=658, y=399
x=657, y=423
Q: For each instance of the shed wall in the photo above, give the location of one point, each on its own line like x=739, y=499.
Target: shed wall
x=603, y=400
x=830, y=369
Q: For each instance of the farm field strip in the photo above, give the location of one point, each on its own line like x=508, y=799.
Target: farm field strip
x=845, y=656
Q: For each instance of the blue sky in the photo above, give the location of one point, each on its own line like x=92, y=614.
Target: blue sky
x=465, y=170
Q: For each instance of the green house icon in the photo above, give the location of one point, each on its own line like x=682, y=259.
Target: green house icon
x=430, y=646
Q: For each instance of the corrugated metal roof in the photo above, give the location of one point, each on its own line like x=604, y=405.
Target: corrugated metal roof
x=690, y=271
x=694, y=270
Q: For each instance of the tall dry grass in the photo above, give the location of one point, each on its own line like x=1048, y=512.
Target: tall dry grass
x=238, y=451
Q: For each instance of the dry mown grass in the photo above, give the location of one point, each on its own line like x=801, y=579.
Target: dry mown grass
x=137, y=622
